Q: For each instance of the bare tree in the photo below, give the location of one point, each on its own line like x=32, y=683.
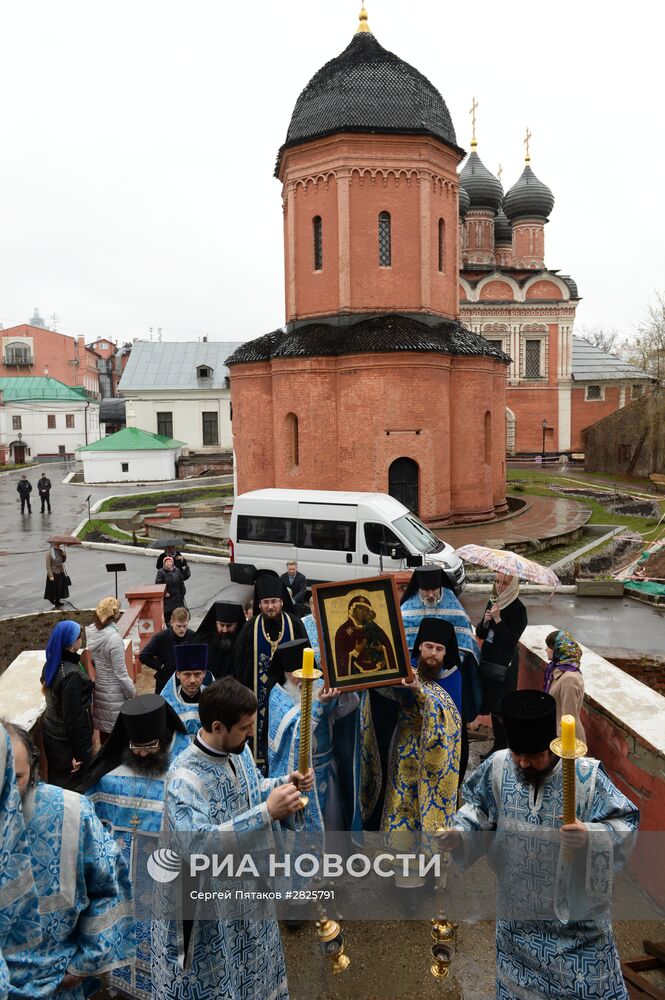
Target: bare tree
x=608, y=340
x=646, y=349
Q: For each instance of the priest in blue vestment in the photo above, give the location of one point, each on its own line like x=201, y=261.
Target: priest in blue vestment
x=83, y=886
x=283, y=734
x=183, y=690
x=422, y=781
x=542, y=949
x=125, y=783
x=215, y=788
x=431, y=594
x=20, y=925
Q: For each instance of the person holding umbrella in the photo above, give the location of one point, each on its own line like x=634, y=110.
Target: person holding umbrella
x=502, y=625
x=171, y=548
x=57, y=581
x=174, y=595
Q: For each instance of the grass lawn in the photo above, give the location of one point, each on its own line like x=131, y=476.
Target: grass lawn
x=537, y=485
x=94, y=530
x=147, y=501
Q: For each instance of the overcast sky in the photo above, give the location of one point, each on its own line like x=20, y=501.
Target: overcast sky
x=138, y=140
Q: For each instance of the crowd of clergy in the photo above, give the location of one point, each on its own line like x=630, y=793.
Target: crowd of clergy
x=215, y=749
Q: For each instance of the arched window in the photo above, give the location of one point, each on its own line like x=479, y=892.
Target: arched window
x=442, y=245
x=488, y=438
x=317, y=235
x=292, y=445
x=385, y=248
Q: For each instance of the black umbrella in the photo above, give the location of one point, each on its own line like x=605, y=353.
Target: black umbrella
x=166, y=543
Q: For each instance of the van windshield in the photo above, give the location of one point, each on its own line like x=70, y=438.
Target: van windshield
x=413, y=529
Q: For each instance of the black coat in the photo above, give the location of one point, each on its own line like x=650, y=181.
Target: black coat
x=67, y=716
x=500, y=646
x=44, y=486
x=174, y=595
x=24, y=487
x=158, y=654
x=297, y=588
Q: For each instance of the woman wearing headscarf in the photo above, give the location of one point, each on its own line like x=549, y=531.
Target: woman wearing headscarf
x=113, y=685
x=67, y=725
x=501, y=627
x=174, y=595
x=563, y=678
x=57, y=581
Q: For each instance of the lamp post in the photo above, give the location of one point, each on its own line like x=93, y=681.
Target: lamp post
x=544, y=429
x=87, y=500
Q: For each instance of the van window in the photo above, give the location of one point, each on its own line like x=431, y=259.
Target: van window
x=377, y=537
x=333, y=536
x=422, y=539
x=281, y=530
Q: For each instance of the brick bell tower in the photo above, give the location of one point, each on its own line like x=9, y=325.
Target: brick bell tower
x=375, y=385
x=370, y=198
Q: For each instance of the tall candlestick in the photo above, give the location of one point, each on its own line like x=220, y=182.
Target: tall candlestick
x=569, y=749
x=306, y=675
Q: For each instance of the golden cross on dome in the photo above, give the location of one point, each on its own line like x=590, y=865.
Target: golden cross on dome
x=472, y=112
x=362, y=17
x=527, y=139
x=499, y=171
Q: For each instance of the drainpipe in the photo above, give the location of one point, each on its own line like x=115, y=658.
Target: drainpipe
x=85, y=419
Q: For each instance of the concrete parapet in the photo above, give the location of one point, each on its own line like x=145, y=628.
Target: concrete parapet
x=625, y=727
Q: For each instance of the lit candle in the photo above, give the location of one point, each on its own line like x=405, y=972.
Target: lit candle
x=567, y=734
x=308, y=666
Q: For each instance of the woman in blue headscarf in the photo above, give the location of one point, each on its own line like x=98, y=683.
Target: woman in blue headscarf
x=67, y=723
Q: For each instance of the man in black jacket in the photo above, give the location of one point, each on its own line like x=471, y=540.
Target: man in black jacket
x=295, y=581
x=159, y=652
x=24, y=489
x=44, y=490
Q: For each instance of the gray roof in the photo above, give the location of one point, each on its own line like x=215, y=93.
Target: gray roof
x=173, y=365
x=368, y=89
x=590, y=364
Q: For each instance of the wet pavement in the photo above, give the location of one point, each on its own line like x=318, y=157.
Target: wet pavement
x=545, y=517
x=597, y=622
x=23, y=548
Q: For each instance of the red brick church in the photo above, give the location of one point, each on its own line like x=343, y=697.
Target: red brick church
x=374, y=384
x=557, y=383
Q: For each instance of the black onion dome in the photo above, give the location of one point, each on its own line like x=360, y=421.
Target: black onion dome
x=464, y=202
x=368, y=89
x=392, y=332
x=503, y=231
x=483, y=188
x=528, y=197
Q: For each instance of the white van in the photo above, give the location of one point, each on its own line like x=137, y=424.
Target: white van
x=333, y=536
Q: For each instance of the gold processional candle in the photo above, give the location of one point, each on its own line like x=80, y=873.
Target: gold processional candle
x=306, y=675
x=569, y=748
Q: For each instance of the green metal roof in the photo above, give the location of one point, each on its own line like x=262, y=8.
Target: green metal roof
x=132, y=439
x=36, y=387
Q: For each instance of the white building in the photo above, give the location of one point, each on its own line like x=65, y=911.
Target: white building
x=41, y=417
x=180, y=390
x=130, y=455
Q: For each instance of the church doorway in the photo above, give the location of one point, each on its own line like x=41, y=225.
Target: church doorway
x=403, y=482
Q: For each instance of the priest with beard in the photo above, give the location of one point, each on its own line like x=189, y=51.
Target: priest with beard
x=220, y=630
x=125, y=783
x=421, y=787
x=215, y=789
x=268, y=629
x=553, y=932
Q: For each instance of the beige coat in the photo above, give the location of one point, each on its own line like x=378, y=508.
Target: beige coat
x=54, y=565
x=567, y=689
